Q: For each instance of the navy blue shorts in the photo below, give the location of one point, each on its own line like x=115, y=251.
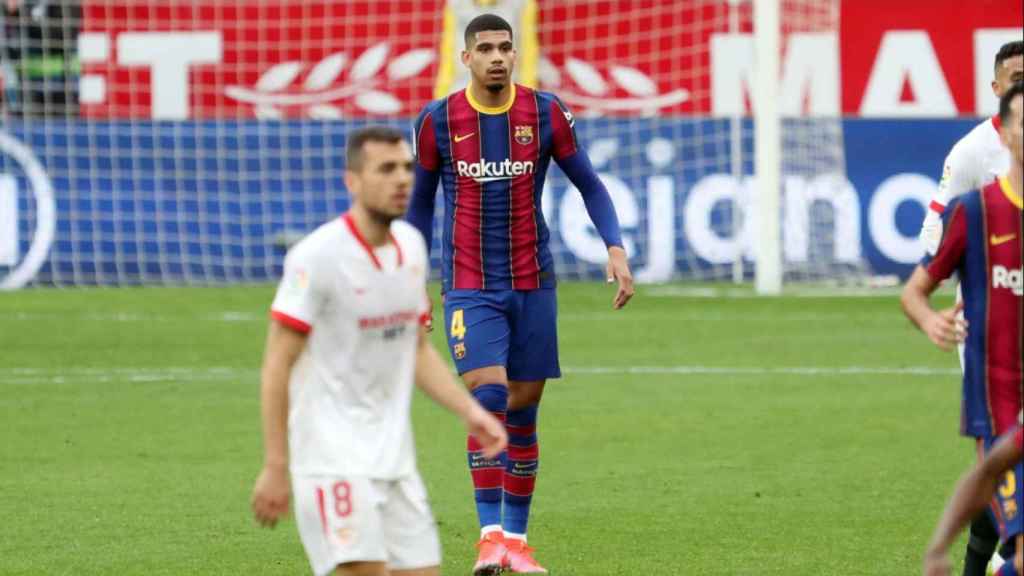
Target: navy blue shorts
x=1008, y=504
x=517, y=329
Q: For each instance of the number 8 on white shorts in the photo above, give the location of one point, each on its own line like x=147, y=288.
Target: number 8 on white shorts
x=357, y=519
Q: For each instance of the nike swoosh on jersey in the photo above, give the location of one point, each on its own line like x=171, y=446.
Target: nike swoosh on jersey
x=463, y=137
x=997, y=240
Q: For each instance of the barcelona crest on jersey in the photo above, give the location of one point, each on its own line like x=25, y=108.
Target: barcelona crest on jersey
x=524, y=134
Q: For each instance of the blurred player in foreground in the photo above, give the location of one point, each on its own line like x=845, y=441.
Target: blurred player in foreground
x=343, y=351
x=491, y=145
x=982, y=241
x=1002, y=473
x=976, y=160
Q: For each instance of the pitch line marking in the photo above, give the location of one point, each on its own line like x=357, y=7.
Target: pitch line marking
x=186, y=374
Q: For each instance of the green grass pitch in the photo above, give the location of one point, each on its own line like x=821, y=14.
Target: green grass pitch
x=690, y=436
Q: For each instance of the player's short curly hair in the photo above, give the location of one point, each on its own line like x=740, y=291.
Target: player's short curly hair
x=482, y=23
x=357, y=140
x=1009, y=50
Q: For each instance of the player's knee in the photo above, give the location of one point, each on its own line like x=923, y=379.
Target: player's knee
x=432, y=571
x=1019, y=559
x=486, y=375
x=523, y=394
x=362, y=569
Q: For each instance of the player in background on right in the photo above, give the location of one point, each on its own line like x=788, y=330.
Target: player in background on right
x=982, y=241
x=977, y=159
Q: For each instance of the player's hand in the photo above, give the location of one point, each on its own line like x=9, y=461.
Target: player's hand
x=270, y=495
x=488, y=430
x=946, y=328
x=428, y=322
x=618, y=271
x=937, y=564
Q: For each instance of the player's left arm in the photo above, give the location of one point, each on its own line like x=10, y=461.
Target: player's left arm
x=973, y=493
x=576, y=164
x=436, y=381
x=942, y=327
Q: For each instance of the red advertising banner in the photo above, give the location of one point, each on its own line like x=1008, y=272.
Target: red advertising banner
x=936, y=55
x=219, y=58
x=353, y=58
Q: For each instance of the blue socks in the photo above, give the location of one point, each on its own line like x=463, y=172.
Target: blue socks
x=488, y=474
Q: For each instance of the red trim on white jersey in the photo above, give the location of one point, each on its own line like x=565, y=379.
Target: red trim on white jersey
x=351, y=223
x=290, y=322
x=398, y=247
x=997, y=122
x=936, y=207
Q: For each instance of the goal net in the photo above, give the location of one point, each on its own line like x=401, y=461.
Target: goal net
x=190, y=141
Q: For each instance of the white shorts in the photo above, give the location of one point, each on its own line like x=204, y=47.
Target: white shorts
x=358, y=519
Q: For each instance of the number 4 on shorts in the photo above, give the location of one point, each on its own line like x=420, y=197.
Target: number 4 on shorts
x=458, y=325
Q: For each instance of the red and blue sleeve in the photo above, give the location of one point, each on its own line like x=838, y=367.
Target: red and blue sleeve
x=576, y=164
x=427, y=175
x=953, y=245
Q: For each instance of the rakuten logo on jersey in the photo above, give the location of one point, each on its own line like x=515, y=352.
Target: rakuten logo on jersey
x=484, y=171
x=1010, y=279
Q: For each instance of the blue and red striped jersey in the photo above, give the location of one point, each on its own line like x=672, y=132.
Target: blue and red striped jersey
x=982, y=242
x=492, y=164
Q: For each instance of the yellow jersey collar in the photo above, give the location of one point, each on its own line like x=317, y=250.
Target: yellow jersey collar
x=1004, y=183
x=491, y=109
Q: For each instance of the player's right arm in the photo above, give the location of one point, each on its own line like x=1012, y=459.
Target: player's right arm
x=296, y=304
x=973, y=493
x=942, y=327
x=957, y=178
x=428, y=174
x=436, y=381
x=271, y=493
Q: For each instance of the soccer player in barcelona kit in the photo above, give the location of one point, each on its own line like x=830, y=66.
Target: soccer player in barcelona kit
x=342, y=353
x=491, y=145
x=976, y=160
x=983, y=241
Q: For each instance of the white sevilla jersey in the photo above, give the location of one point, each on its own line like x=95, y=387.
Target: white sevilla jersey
x=975, y=160
x=350, y=391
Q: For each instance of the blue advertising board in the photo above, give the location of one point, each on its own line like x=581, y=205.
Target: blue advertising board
x=174, y=202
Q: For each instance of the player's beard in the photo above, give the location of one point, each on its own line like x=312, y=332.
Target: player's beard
x=495, y=87
x=381, y=217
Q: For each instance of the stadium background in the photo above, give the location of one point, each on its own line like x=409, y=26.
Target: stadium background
x=702, y=431
x=209, y=130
